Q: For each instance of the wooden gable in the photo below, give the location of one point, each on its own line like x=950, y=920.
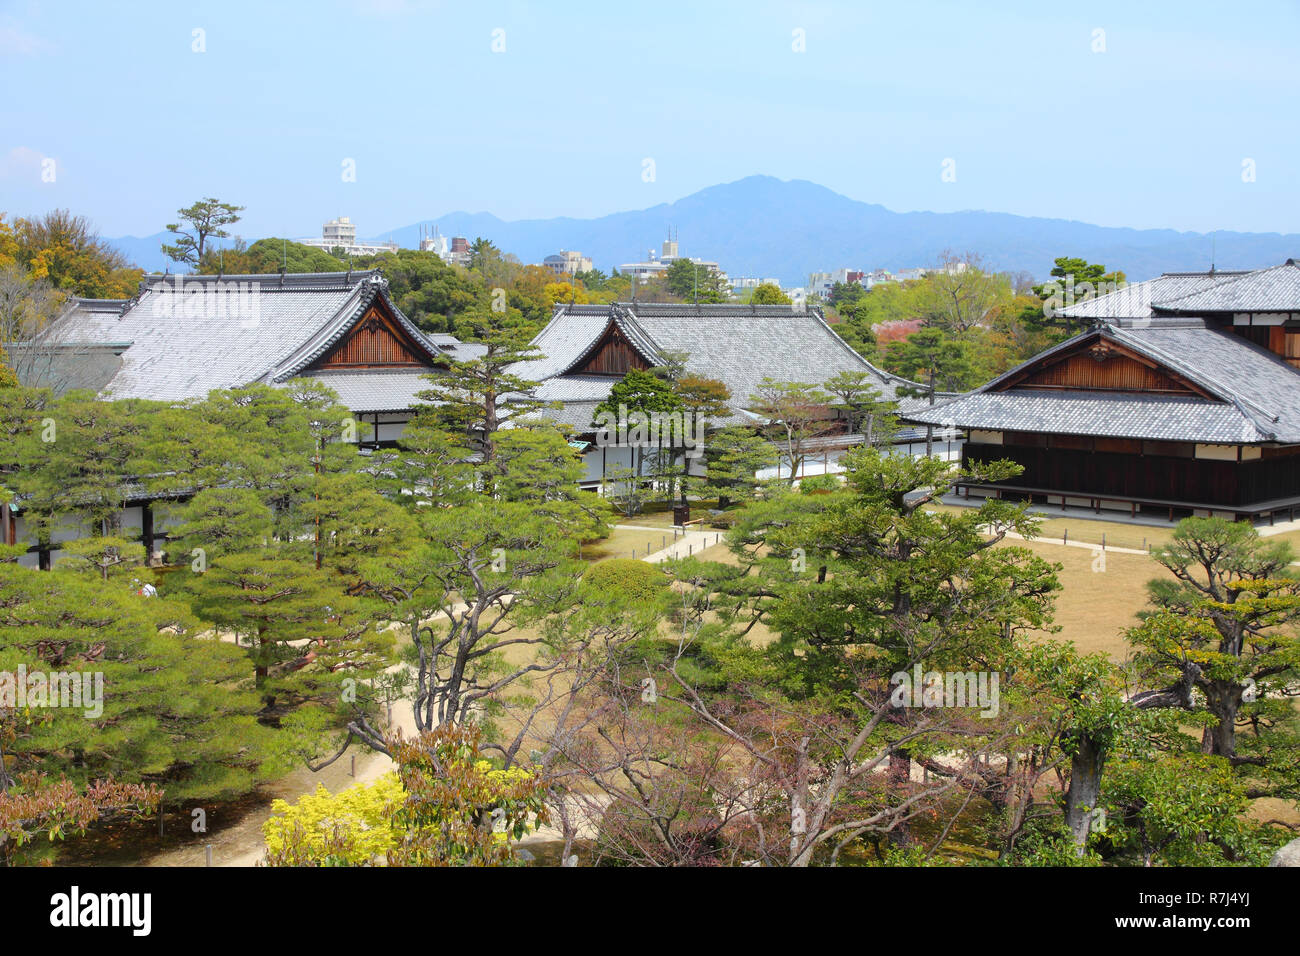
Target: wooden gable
x=1100, y=365
x=612, y=354
x=376, y=341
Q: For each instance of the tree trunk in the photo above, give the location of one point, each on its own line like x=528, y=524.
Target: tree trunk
x=1085, y=788
x=1224, y=699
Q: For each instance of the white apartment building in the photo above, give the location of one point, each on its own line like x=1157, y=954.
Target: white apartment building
x=341, y=233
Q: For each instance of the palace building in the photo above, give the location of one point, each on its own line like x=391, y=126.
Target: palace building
x=1182, y=397
x=183, y=336
x=588, y=348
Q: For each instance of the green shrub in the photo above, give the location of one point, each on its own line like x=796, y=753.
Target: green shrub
x=818, y=484
x=625, y=576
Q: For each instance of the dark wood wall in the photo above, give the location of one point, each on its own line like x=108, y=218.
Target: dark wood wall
x=1115, y=372
x=374, y=342
x=1145, y=477
x=613, y=355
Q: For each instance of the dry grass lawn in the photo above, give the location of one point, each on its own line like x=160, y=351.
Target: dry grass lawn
x=1093, y=607
x=623, y=542
x=1098, y=599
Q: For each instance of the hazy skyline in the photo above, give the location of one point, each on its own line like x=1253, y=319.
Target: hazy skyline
x=1150, y=133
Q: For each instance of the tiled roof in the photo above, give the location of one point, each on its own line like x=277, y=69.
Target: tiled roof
x=579, y=414
x=189, y=335
x=371, y=286
x=1255, y=394
x=370, y=390
x=1266, y=290
x=563, y=339
x=1135, y=299
x=738, y=344
x=183, y=345
x=576, y=388
x=1108, y=414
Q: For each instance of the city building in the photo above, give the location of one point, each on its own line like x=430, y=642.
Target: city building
x=433, y=241
x=752, y=282
x=567, y=262
x=821, y=283
x=657, y=264
x=459, y=254
x=341, y=234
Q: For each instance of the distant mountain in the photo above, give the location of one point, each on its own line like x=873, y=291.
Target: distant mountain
x=763, y=226
x=146, y=251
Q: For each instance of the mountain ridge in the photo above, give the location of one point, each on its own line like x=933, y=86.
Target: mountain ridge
x=764, y=226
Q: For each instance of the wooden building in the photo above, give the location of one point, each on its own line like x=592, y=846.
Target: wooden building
x=587, y=348
x=1183, y=397
x=181, y=337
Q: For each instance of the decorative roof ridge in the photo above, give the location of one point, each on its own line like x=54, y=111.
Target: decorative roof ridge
x=637, y=337
x=633, y=329
x=1233, y=279
x=271, y=281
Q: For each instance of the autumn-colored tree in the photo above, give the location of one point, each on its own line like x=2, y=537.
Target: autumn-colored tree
x=446, y=806
x=66, y=251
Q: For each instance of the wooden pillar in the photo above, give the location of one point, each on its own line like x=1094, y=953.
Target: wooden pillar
x=146, y=531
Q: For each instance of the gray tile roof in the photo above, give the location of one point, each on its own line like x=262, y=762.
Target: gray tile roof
x=1256, y=395
x=1135, y=299
x=368, y=390
x=1266, y=290
x=738, y=344
x=579, y=414
x=576, y=388
x=188, y=335
x=184, y=345
x=1102, y=414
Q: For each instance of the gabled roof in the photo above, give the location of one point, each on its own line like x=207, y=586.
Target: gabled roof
x=622, y=319
x=1266, y=290
x=738, y=344
x=1252, y=394
x=1135, y=300
x=371, y=288
x=189, y=334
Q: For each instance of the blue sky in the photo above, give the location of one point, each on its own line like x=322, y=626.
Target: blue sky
x=1152, y=132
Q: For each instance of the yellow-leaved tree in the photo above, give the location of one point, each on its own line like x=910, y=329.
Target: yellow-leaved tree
x=445, y=806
